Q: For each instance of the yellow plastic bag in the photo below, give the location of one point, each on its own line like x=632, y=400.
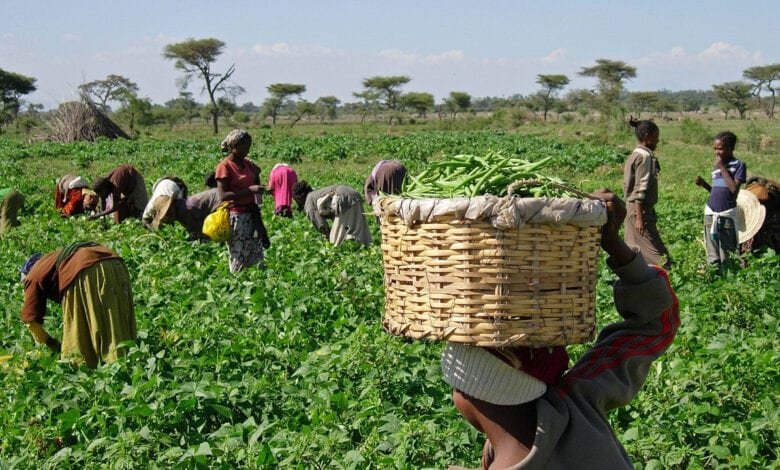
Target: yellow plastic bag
x=217, y=224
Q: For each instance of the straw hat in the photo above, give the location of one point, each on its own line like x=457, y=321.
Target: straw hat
x=162, y=208
x=752, y=213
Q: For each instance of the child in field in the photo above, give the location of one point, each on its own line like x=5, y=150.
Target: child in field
x=533, y=413
x=640, y=186
x=720, y=212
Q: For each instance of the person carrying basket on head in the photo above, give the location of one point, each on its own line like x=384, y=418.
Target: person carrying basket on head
x=537, y=414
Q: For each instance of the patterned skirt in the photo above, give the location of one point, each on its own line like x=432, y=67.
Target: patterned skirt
x=244, y=248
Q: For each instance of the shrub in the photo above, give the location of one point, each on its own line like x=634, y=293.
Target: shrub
x=694, y=132
x=753, y=136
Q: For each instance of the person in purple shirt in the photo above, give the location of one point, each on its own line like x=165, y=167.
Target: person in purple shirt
x=720, y=213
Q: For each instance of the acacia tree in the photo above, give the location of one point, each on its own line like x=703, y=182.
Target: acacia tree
x=302, y=108
x=12, y=87
x=195, y=57
x=280, y=96
x=641, y=101
x=734, y=95
x=387, y=90
x=551, y=85
x=113, y=88
x=326, y=107
x=136, y=111
x=420, y=102
x=610, y=75
x=458, y=101
x=763, y=76
x=369, y=103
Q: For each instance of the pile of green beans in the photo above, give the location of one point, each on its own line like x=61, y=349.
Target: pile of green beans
x=472, y=175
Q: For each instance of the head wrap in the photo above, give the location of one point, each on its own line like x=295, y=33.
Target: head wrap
x=483, y=375
x=77, y=182
x=28, y=264
x=233, y=138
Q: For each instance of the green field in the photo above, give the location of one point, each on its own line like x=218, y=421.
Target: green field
x=289, y=367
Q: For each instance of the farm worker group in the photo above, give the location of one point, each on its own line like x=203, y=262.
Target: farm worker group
x=537, y=414
x=93, y=286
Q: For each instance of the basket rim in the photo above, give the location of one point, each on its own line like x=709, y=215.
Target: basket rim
x=503, y=212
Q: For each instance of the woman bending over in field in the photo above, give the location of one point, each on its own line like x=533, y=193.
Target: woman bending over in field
x=163, y=190
x=280, y=184
x=340, y=203
x=123, y=193
x=93, y=286
x=72, y=196
x=190, y=212
x=11, y=201
x=238, y=181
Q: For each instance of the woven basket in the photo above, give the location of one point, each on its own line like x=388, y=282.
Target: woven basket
x=466, y=281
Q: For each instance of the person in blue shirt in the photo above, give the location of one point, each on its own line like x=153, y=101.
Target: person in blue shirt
x=720, y=212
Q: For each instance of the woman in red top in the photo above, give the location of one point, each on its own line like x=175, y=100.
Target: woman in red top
x=72, y=196
x=237, y=182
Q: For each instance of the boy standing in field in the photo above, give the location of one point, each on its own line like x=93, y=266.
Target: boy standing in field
x=720, y=212
x=640, y=186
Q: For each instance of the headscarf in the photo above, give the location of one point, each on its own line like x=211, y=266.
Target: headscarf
x=28, y=264
x=233, y=138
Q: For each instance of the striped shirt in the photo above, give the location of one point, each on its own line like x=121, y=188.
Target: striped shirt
x=721, y=199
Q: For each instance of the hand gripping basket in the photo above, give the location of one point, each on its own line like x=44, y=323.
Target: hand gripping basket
x=491, y=271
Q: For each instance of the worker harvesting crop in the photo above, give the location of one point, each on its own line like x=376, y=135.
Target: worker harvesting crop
x=340, y=203
x=123, y=193
x=93, y=285
x=537, y=414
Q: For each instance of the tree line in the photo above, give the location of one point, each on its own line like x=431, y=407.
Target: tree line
x=383, y=96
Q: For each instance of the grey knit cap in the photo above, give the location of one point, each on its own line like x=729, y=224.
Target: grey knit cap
x=480, y=374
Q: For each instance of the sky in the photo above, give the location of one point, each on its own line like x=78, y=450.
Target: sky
x=485, y=48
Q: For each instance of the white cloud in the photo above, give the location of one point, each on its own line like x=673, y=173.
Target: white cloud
x=678, y=68
x=282, y=49
x=558, y=55
x=716, y=53
x=409, y=58
x=70, y=37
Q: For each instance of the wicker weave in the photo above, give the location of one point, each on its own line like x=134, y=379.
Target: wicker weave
x=469, y=282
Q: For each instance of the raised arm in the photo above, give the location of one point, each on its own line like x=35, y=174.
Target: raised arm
x=611, y=373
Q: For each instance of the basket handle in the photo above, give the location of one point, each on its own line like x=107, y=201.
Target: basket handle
x=533, y=182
